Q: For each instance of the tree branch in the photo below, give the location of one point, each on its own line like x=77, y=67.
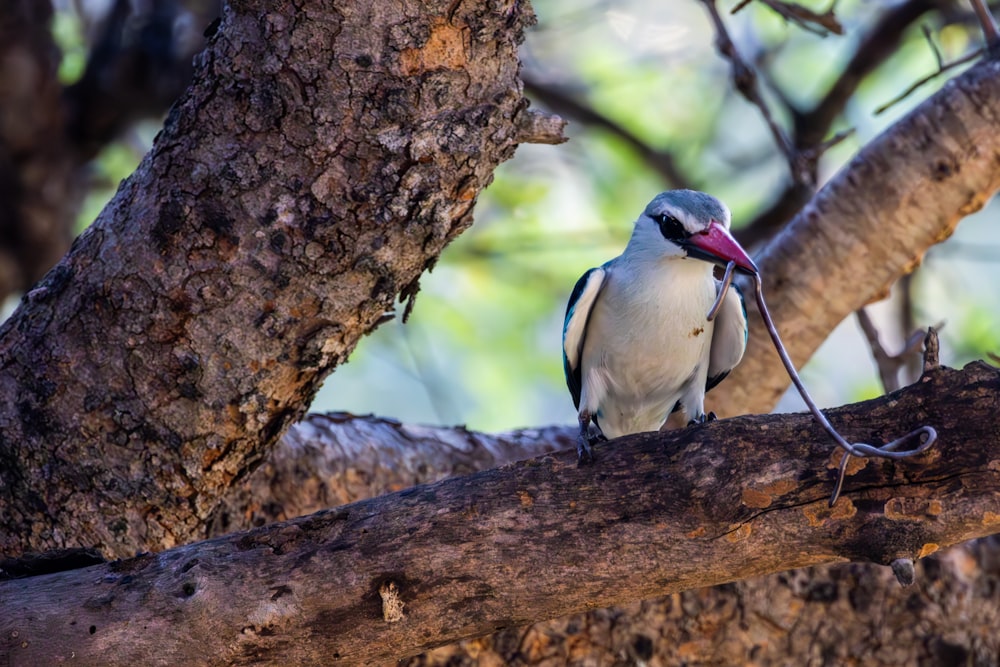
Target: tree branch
x=905, y=191
x=811, y=127
x=337, y=458
x=563, y=102
x=38, y=196
x=658, y=513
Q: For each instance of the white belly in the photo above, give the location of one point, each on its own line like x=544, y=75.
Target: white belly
x=648, y=349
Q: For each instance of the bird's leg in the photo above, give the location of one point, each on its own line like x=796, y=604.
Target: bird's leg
x=584, y=453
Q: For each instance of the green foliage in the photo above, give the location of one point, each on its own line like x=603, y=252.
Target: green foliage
x=67, y=30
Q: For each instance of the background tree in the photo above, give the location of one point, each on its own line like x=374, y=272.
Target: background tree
x=125, y=412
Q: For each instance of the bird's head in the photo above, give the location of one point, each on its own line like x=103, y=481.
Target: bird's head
x=687, y=223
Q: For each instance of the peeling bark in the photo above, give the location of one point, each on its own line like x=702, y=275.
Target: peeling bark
x=662, y=513
x=317, y=166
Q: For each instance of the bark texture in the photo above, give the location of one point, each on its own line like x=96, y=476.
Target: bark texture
x=381, y=579
x=317, y=166
x=853, y=613
x=333, y=459
x=848, y=614
x=904, y=192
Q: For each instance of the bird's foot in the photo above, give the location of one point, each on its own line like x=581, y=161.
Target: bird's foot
x=584, y=452
x=707, y=417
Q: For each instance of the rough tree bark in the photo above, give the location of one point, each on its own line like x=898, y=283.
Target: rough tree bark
x=381, y=579
x=317, y=166
x=831, y=614
x=333, y=459
x=124, y=405
x=154, y=408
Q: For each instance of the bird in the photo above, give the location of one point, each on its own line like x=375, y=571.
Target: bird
x=637, y=341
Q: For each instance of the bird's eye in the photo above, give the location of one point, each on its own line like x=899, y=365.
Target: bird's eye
x=671, y=228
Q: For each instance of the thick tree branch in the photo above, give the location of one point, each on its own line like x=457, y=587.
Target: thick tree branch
x=337, y=458
x=905, y=191
x=319, y=163
x=658, y=513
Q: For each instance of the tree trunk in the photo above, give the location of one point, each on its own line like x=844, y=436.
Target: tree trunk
x=316, y=167
x=657, y=514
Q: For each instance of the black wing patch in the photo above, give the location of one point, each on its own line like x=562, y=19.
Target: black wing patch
x=581, y=302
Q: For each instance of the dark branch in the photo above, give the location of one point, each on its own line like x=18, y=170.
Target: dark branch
x=988, y=23
x=815, y=22
x=565, y=103
x=810, y=128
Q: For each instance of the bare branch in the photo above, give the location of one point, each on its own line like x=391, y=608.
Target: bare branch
x=745, y=80
x=811, y=127
x=988, y=23
x=659, y=513
x=817, y=23
x=563, y=102
x=539, y=127
x=930, y=77
x=888, y=364
x=932, y=347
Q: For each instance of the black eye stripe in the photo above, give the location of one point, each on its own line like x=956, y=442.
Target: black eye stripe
x=672, y=228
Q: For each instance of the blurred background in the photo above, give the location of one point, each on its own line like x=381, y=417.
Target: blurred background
x=652, y=106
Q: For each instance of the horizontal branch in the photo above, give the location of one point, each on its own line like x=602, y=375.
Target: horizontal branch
x=658, y=513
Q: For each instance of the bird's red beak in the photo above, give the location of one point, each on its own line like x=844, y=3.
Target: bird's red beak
x=718, y=242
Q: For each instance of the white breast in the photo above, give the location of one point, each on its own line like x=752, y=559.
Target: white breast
x=648, y=341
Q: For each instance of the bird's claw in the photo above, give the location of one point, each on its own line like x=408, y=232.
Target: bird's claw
x=707, y=417
x=588, y=437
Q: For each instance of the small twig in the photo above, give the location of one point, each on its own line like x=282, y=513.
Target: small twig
x=888, y=364
x=929, y=37
x=941, y=70
x=932, y=350
x=814, y=22
x=745, y=79
x=988, y=23
x=812, y=154
x=907, y=321
x=540, y=127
